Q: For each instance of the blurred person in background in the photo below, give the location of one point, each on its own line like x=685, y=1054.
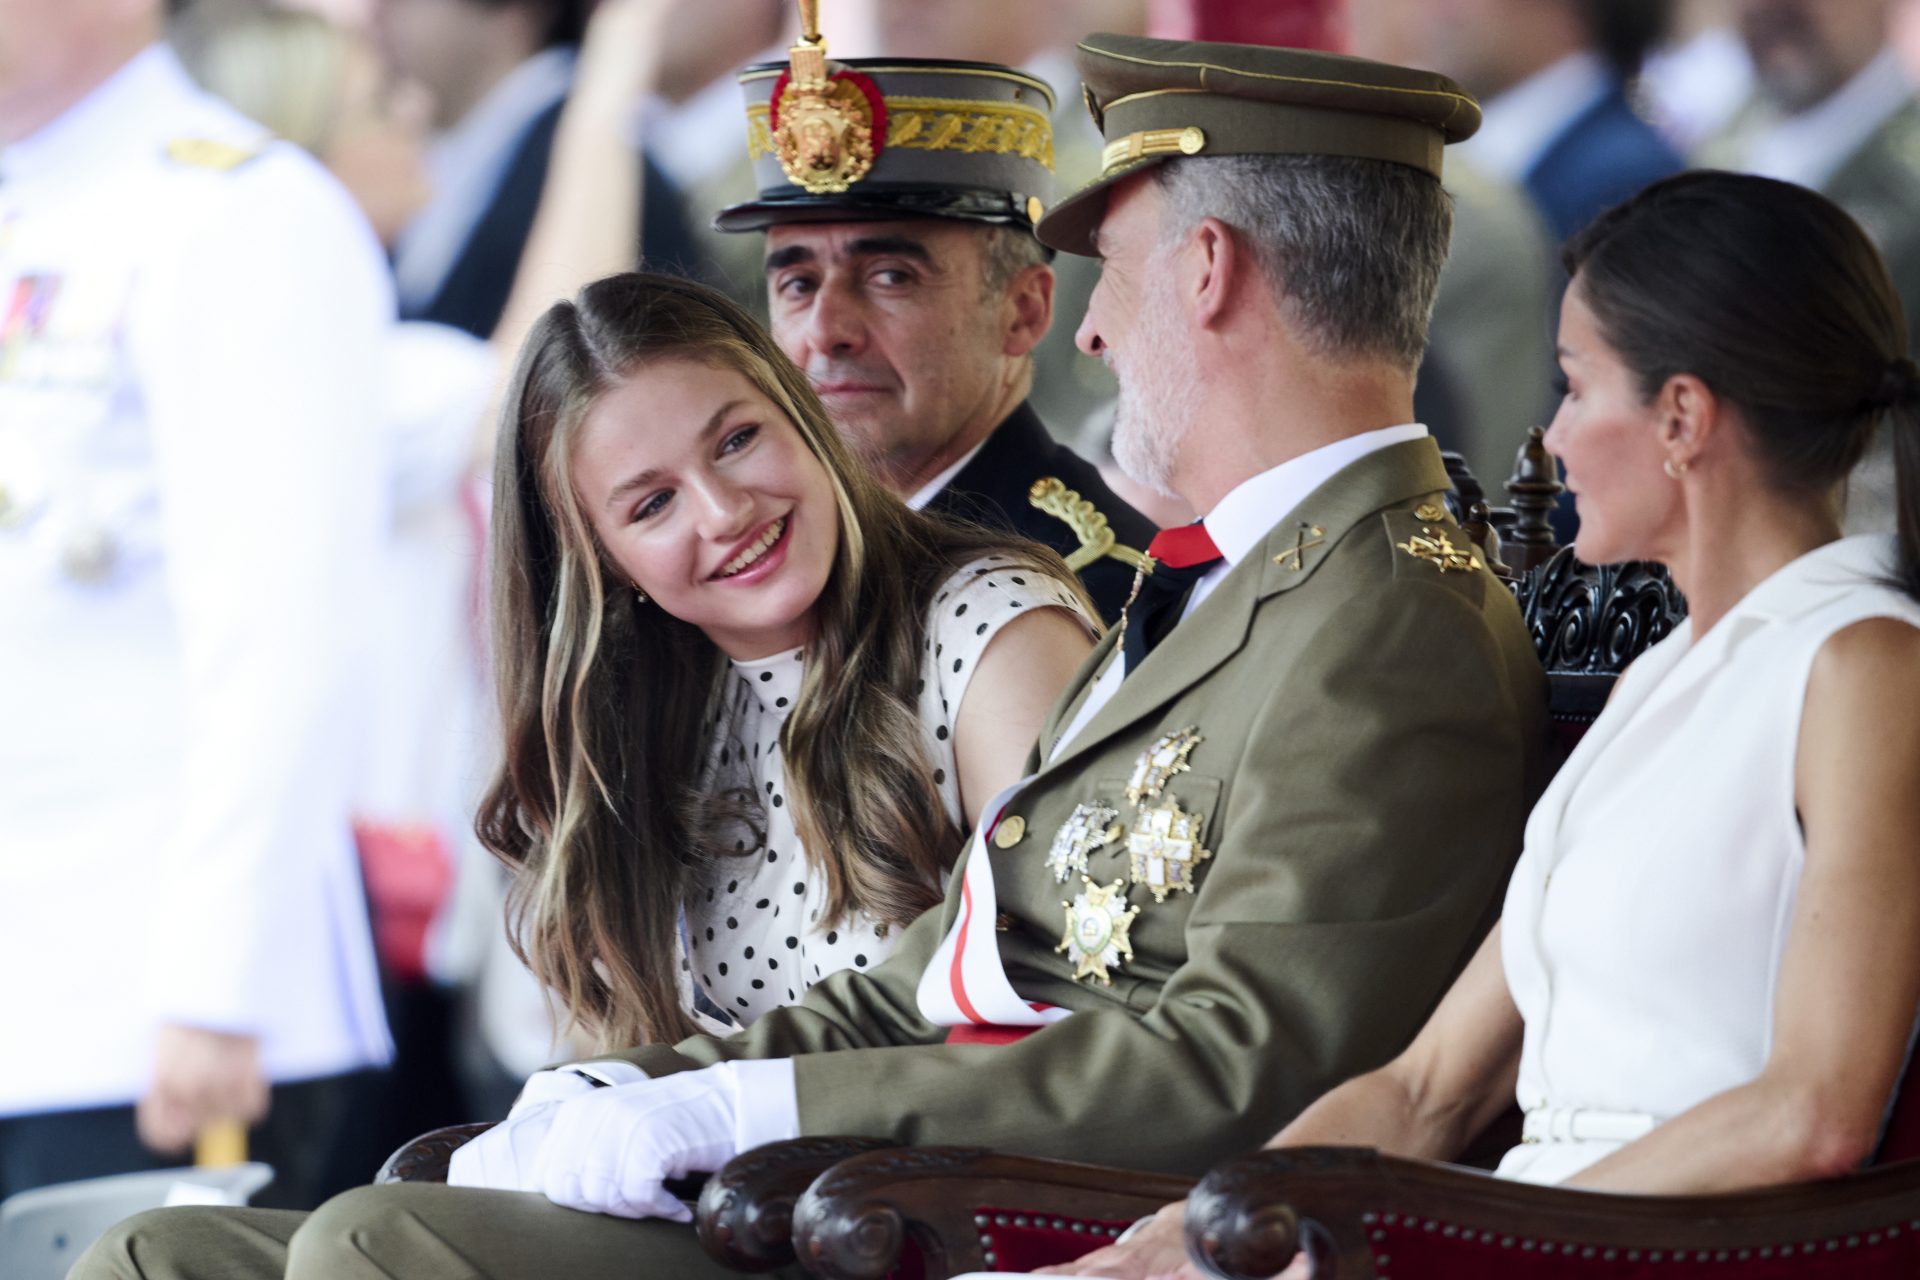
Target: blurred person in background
x=1491, y=317
x=190, y=319
x=1695, y=81
x=435, y=893
x=1835, y=110
x=497, y=72
x=1552, y=76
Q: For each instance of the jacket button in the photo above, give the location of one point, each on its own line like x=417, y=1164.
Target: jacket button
x=1010, y=832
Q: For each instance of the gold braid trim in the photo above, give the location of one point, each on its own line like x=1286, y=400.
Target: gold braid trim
x=1088, y=525
x=942, y=124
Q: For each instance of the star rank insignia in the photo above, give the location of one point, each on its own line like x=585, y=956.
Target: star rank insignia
x=1437, y=548
x=1088, y=827
x=1165, y=848
x=1098, y=921
x=1158, y=764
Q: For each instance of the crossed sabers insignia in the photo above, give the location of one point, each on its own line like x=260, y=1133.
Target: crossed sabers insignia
x=1301, y=546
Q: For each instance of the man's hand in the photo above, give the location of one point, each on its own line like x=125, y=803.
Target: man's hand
x=610, y=1151
x=1153, y=1250
x=199, y=1077
x=507, y=1156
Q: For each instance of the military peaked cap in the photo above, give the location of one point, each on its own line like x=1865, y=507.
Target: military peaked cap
x=1159, y=100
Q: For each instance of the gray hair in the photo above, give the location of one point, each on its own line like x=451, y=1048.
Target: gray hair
x=1352, y=248
x=1004, y=254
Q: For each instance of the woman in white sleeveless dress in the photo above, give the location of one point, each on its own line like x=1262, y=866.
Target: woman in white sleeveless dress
x=1708, y=968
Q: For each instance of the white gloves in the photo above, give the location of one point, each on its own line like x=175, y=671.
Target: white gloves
x=506, y=1157
x=608, y=1150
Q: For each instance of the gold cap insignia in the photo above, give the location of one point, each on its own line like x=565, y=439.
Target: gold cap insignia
x=828, y=126
x=1156, y=765
x=1430, y=512
x=1098, y=922
x=1438, y=550
x=1088, y=827
x=1165, y=848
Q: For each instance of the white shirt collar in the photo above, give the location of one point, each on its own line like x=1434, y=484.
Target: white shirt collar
x=112, y=119
x=1242, y=520
x=1518, y=125
x=931, y=489
x=467, y=163
x=1810, y=147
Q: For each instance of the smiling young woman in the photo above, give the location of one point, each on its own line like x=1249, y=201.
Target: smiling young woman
x=748, y=698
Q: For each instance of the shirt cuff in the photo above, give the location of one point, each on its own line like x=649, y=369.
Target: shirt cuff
x=766, y=1104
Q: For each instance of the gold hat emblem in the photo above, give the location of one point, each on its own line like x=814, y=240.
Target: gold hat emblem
x=827, y=126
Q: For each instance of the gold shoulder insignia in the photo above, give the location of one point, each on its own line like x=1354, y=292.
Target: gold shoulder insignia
x=205, y=153
x=1088, y=525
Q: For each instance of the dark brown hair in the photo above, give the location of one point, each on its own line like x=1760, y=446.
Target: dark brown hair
x=606, y=704
x=1776, y=299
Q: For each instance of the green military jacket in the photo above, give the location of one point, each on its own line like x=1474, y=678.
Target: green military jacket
x=1369, y=717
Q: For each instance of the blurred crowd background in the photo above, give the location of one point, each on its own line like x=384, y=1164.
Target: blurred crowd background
x=443, y=121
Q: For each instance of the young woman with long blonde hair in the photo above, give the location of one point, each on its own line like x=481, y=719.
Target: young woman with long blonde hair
x=749, y=699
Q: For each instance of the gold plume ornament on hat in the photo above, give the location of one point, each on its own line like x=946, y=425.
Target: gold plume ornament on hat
x=829, y=124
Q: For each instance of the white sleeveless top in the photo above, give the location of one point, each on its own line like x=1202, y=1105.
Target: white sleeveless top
x=1645, y=922
x=755, y=939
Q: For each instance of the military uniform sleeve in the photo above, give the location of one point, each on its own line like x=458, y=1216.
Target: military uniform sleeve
x=258, y=345
x=1373, y=818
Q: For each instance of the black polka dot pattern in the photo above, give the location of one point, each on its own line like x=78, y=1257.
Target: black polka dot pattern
x=741, y=921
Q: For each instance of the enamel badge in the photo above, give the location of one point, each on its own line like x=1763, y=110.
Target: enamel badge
x=1165, y=848
x=828, y=125
x=1098, y=921
x=1159, y=763
x=1088, y=827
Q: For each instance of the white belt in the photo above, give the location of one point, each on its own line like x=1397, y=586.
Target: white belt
x=1582, y=1124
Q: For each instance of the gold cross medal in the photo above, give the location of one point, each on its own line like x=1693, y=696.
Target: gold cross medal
x=1165, y=848
x=1097, y=923
x=1088, y=827
x=1158, y=763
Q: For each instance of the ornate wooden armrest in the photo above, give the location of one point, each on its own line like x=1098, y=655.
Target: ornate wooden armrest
x=965, y=1209
x=425, y=1159
x=1362, y=1215
x=746, y=1209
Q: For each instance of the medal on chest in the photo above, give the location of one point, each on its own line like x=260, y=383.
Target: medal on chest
x=1164, y=848
x=1159, y=763
x=1098, y=922
x=1087, y=828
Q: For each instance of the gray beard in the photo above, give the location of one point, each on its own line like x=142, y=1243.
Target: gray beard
x=1157, y=395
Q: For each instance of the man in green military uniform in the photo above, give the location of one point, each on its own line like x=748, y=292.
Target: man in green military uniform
x=903, y=277
x=1261, y=832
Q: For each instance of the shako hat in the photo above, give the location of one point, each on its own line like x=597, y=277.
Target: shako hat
x=1157, y=100
x=875, y=138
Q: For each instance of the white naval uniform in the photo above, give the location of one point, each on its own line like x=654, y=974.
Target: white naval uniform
x=190, y=454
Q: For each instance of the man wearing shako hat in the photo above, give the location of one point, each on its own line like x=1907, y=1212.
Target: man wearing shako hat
x=898, y=197
x=1257, y=838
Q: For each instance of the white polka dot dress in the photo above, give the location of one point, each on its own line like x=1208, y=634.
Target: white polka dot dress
x=755, y=938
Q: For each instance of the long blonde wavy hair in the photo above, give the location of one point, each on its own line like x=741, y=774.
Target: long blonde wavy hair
x=606, y=704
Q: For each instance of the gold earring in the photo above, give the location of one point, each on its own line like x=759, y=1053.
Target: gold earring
x=1674, y=469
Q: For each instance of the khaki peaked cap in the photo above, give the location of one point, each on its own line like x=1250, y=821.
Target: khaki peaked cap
x=1159, y=100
